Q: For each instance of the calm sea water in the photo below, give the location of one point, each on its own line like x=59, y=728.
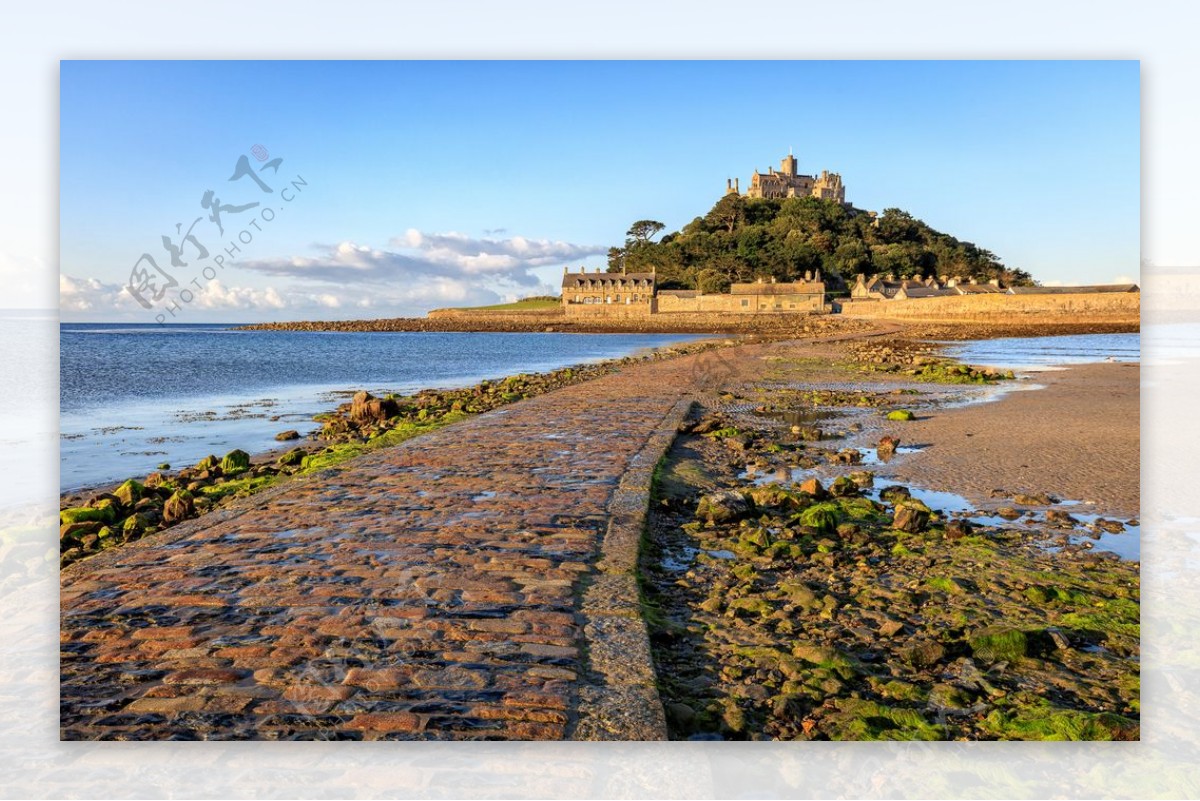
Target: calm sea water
x=134, y=396
x=1034, y=353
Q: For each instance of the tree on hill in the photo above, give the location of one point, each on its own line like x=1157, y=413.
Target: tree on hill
x=741, y=239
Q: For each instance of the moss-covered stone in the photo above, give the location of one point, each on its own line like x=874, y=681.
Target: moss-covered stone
x=902, y=415
x=999, y=644
x=234, y=462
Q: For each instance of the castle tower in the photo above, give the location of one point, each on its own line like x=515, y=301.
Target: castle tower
x=788, y=166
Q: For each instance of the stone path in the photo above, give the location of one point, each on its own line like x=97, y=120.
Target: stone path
x=435, y=590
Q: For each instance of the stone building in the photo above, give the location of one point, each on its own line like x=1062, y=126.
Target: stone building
x=788, y=183
x=889, y=287
x=637, y=294
x=605, y=289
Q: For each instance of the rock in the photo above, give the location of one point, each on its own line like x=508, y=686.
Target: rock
x=813, y=487
x=947, y=696
x=284, y=436
x=681, y=716
x=822, y=518
x=207, y=463
x=1038, y=499
x=366, y=408
x=236, y=461
x=178, y=507
x=886, y=448
x=1111, y=526
x=129, y=493
x=725, y=506
x=706, y=425
x=1060, y=518
x=134, y=526
x=76, y=531
x=1058, y=637
x=164, y=466
x=999, y=644
x=848, y=456
x=843, y=487
x=1008, y=513
x=774, y=496
x=894, y=493
x=890, y=628
x=808, y=433
x=957, y=529
x=155, y=480
x=81, y=514
x=757, y=538
x=293, y=457
x=902, y=415
x=923, y=654
x=911, y=516
x=863, y=478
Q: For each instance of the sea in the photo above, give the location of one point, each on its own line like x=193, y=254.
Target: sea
x=1033, y=354
x=134, y=396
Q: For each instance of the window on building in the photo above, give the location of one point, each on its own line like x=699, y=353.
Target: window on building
x=745, y=304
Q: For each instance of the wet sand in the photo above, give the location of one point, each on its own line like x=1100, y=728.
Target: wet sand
x=1077, y=439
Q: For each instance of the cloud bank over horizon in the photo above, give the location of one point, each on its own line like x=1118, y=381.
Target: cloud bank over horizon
x=417, y=271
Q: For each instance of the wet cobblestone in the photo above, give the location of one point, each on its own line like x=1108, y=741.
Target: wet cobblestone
x=427, y=591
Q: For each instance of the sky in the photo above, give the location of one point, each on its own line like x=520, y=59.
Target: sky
x=380, y=189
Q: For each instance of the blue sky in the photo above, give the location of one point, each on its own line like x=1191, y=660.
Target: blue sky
x=430, y=184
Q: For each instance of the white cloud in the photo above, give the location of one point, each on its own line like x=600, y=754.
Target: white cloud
x=91, y=294
x=417, y=256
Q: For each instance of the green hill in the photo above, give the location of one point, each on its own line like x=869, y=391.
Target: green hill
x=742, y=239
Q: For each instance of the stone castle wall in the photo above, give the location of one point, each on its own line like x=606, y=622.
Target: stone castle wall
x=1100, y=307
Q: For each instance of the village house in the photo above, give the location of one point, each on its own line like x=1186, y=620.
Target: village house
x=889, y=287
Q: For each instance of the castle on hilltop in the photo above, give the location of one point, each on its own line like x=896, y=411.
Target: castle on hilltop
x=788, y=183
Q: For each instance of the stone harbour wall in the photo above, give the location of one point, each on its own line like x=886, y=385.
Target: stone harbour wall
x=1123, y=307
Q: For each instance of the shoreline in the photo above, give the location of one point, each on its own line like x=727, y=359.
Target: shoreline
x=272, y=466
x=791, y=607
x=1058, y=439
x=783, y=325
x=168, y=496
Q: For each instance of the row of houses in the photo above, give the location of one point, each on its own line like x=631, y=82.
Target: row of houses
x=890, y=287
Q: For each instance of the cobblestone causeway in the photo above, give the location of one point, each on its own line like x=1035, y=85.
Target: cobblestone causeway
x=433, y=590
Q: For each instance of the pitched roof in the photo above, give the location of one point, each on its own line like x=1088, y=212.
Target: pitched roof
x=1068, y=290
x=978, y=289
x=581, y=279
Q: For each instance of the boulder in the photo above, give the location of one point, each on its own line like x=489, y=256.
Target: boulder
x=957, y=529
x=886, y=448
x=911, y=516
x=366, y=408
x=284, y=436
x=999, y=644
x=923, y=654
x=207, y=463
x=725, y=506
x=843, y=487
x=179, y=506
x=823, y=518
x=106, y=513
x=293, y=457
x=236, y=461
x=894, y=493
x=902, y=415
x=129, y=493
x=813, y=487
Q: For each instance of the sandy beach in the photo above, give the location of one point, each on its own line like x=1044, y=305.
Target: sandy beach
x=1077, y=439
